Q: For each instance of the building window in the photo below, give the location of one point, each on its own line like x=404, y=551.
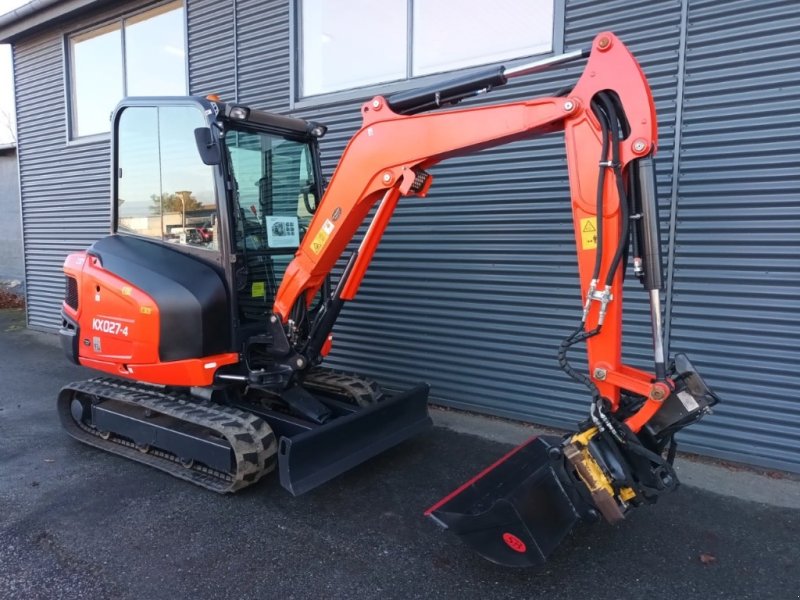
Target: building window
x=140, y=55
x=351, y=43
x=164, y=191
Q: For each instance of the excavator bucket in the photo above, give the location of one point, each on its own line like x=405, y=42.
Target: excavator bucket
x=517, y=511
x=311, y=458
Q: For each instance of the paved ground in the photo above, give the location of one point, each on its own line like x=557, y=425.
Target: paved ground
x=75, y=523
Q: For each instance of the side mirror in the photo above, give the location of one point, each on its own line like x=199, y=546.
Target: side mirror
x=207, y=146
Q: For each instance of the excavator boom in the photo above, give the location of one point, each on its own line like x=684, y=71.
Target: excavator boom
x=389, y=157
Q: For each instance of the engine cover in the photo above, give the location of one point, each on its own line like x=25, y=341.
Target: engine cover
x=145, y=311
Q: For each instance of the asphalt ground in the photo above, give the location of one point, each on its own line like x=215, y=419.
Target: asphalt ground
x=77, y=523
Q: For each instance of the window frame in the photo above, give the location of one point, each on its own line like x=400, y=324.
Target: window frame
x=308, y=142
x=223, y=230
x=298, y=101
x=71, y=138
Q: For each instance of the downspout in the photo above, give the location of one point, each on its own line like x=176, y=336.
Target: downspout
x=676, y=158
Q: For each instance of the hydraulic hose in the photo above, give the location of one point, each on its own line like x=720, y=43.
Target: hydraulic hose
x=579, y=335
x=606, y=113
x=601, y=180
x=624, y=237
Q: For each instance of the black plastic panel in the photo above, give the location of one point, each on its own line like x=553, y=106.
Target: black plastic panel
x=190, y=294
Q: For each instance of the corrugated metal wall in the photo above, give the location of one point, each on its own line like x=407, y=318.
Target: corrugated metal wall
x=474, y=287
x=212, y=50
x=64, y=187
x=736, y=291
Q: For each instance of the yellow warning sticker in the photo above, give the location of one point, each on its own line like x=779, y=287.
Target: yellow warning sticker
x=258, y=290
x=589, y=233
x=322, y=236
x=319, y=241
x=146, y=310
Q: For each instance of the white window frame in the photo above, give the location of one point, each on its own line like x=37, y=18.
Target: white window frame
x=298, y=101
x=69, y=92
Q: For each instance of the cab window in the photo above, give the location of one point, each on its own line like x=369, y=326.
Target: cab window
x=163, y=189
x=274, y=198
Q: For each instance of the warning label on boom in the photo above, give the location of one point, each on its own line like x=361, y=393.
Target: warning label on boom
x=322, y=236
x=589, y=233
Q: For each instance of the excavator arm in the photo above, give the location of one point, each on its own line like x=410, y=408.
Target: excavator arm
x=518, y=510
x=389, y=158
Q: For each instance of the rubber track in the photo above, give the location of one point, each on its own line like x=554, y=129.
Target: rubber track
x=251, y=439
x=360, y=390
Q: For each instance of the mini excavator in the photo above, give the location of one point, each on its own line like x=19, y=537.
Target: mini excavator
x=210, y=312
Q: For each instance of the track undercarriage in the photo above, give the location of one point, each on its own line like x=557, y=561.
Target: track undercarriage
x=231, y=440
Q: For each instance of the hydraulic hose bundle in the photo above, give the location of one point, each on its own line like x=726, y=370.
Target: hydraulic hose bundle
x=613, y=128
x=604, y=109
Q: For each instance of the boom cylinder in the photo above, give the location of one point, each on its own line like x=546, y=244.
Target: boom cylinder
x=323, y=325
x=457, y=89
x=649, y=242
x=647, y=225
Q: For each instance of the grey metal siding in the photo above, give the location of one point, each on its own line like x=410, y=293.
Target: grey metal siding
x=239, y=49
x=212, y=49
x=64, y=187
x=263, y=48
x=475, y=286
x=736, y=293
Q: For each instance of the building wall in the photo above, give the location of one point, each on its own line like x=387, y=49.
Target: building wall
x=736, y=281
x=65, y=186
x=475, y=286
x=11, y=264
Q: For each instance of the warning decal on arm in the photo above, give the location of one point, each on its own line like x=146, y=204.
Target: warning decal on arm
x=322, y=237
x=589, y=233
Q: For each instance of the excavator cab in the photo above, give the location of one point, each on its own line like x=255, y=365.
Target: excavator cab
x=210, y=202
x=225, y=184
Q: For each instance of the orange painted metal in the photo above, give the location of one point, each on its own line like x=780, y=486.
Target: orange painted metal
x=370, y=242
x=120, y=330
x=189, y=372
x=627, y=377
x=389, y=147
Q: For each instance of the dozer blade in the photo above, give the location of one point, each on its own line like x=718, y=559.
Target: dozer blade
x=517, y=511
x=313, y=457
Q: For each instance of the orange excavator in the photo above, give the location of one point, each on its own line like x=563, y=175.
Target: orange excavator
x=213, y=344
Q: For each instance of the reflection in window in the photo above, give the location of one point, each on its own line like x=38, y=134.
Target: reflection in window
x=152, y=43
x=155, y=59
x=478, y=32
x=349, y=43
x=139, y=171
x=275, y=190
x=96, y=79
x=164, y=191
